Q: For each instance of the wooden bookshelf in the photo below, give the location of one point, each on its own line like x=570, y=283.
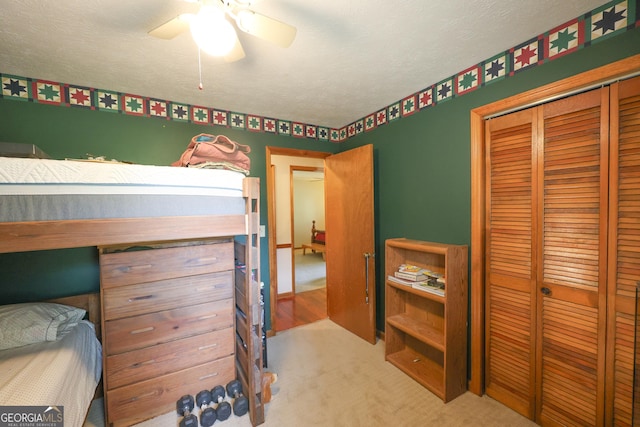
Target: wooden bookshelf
x=426, y=334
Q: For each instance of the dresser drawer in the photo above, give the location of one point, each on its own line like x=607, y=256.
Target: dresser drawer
x=137, y=332
x=139, y=365
x=126, y=268
x=137, y=402
x=125, y=301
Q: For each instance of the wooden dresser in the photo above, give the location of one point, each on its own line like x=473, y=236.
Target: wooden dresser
x=168, y=324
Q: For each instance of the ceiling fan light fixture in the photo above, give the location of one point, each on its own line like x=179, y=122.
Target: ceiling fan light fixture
x=246, y=21
x=212, y=32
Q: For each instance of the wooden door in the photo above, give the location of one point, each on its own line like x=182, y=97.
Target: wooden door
x=510, y=261
x=624, y=256
x=572, y=188
x=546, y=272
x=351, y=296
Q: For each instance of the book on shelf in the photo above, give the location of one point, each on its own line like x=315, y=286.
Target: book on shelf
x=411, y=276
x=404, y=281
x=432, y=287
x=408, y=268
x=418, y=274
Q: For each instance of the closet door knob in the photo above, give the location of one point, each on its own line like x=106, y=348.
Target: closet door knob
x=545, y=291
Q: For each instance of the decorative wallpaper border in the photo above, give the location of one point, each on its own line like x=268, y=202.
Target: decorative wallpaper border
x=604, y=22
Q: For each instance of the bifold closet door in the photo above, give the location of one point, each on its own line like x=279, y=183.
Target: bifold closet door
x=547, y=183
x=572, y=191
x=510, y=260
x=624, y=254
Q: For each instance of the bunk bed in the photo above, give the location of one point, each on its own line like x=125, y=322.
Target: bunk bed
x=56, y=204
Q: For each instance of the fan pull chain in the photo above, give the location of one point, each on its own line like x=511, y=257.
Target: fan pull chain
x=200, y=86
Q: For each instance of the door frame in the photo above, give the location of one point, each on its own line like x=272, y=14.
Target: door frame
x=271, y=222
x=579, y=83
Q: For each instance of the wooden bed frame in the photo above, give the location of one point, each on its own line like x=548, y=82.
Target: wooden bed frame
x=45, y=235
x=315, y=245
x=89, y=303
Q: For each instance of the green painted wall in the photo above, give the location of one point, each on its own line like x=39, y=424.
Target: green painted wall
x=422, y=173
x=422, y=166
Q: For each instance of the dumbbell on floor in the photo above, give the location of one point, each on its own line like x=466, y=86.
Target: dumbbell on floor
x=223, y=410
x=209, y=415
x=184, y=406
x=240, y=402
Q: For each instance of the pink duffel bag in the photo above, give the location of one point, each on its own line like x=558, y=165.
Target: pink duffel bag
x=215, y=151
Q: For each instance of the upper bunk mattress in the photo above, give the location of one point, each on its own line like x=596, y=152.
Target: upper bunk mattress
x=42, y=189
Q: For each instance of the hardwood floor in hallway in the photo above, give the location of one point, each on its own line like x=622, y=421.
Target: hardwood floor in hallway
x=303, y=308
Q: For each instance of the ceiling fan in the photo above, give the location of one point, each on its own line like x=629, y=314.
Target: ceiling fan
x=214, y=34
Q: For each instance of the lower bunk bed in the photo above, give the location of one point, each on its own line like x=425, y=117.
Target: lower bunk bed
x=54, y=204
x=51, y=357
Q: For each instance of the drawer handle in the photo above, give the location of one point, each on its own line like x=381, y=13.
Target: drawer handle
x=210, y=287
x=204, y=377
x=143, y=297
x=204, y=347
x=209, y=258
x=209, y=316
x=146, y=362
x=130, y=268
x=139, y=331
x=142, y=396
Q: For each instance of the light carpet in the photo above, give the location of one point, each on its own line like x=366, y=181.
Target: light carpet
x=329, y=377
x=311, y=271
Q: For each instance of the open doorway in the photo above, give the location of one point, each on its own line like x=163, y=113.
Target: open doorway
x=307, y=225
x=350, y=237
x=287, y=308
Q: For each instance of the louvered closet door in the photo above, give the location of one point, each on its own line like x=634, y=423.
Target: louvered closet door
x=571, y=290
x=510, y=281
x=547, y=189
x=624, y=251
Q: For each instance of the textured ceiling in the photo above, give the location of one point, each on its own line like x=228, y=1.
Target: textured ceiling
x=349, y=59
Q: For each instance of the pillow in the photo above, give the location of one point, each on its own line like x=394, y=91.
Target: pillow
x=28, y=323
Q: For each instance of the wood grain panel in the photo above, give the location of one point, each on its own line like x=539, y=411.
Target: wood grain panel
x=139, y=365
x=510, y=202
x=124, y=301
x=509, y=354
x=624, y=364
x=624, y=253
x=572, y=190
x=569, y=363
x=351, y=290
x=572, y=198
x=131, y=333
x=42, y=235
x=509, y=266
x=126, y=268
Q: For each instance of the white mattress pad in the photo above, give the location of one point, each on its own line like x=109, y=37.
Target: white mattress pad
x=44, y=176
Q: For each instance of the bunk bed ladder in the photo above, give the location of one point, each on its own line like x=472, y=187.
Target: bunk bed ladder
x=249, y=315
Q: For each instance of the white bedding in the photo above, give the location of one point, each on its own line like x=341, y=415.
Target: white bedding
x=59, y=373
x=44, y=190
x=44, y=176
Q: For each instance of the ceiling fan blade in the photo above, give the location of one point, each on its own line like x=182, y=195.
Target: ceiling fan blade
x=173, y=27
x=236, y=54
x=266, y=28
